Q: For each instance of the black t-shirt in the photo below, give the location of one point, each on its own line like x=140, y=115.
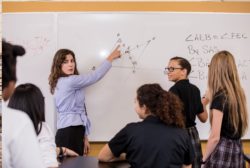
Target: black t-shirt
x=191, y=98
x=153, y=144
x=220, y=103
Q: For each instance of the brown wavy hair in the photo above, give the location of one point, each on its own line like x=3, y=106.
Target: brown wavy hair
x=161, y=103
x=56, y=68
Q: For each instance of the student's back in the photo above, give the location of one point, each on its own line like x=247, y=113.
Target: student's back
x=160, y=140
x=190, y=96
x=19, y=141
x=20, y=146
x=151, y=143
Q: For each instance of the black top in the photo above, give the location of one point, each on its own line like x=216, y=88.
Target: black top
x=220, y=103
x=190, y=96
x=151, y=143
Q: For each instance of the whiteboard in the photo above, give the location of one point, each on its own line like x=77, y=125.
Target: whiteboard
x=148, y=39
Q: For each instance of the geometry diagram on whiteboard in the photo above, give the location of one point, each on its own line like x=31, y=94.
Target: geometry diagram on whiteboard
x=131, y=53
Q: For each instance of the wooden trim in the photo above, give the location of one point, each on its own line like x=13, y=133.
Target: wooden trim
x=97, y=146
x=26, y=6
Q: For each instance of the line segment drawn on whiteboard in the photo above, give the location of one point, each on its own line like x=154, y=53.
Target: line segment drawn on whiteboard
x=129, y=52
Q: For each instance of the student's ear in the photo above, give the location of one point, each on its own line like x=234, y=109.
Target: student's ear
x=184, y=72
x=145, y=109
x=8, y=90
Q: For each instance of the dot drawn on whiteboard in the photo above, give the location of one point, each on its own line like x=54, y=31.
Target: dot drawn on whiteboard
x=128, y=51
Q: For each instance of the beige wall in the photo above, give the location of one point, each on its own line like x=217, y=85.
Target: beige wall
x=70, y=6
x=142, y=0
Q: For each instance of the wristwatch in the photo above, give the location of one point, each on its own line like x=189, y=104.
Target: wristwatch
x=203, y=162
x=60, y=152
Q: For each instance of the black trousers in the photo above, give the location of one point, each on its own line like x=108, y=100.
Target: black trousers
x=71, y=137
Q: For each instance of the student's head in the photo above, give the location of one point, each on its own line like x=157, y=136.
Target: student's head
x=9, y=57
x=222, y=72
x=223, y=77
x=64, y=64
x=178, y=68
x=151, y=99
x=29, y=99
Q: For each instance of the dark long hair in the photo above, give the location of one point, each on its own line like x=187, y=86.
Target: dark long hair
x=56, y=71
x=161, y=103
x=9, y=57
x=29, y=99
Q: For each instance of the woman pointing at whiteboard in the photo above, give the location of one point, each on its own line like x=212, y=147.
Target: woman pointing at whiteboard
x=67, y=86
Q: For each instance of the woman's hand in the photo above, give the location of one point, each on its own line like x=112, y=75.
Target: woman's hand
x=86, y=146
x=69, y=152
x=115, y=54
x=65, y=152
x=205, y=99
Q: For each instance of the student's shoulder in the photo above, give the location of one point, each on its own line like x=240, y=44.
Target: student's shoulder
x=194, y=87
x=16, y=122
x=182, y=133
x=219, y=97
x=46, y=133
x=15, y=115
x=68, y=78
x=45, y=129
x=174, y=88
x=133, y=125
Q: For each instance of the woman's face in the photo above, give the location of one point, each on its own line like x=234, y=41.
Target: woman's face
x=68, y=65
x=141, y=111
x=175, y=71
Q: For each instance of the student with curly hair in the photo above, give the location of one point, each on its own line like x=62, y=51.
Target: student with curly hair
x=160, y=140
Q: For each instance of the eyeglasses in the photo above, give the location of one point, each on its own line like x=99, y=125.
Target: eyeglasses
x=170, y=69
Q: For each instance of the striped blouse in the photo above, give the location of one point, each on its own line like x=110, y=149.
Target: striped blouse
x=70, y=100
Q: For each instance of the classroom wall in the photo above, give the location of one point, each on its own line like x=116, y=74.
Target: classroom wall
x=45, y=6
x=144, y=0
x=28, y=6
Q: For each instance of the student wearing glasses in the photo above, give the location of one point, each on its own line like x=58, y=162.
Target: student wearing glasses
x=178, y=70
